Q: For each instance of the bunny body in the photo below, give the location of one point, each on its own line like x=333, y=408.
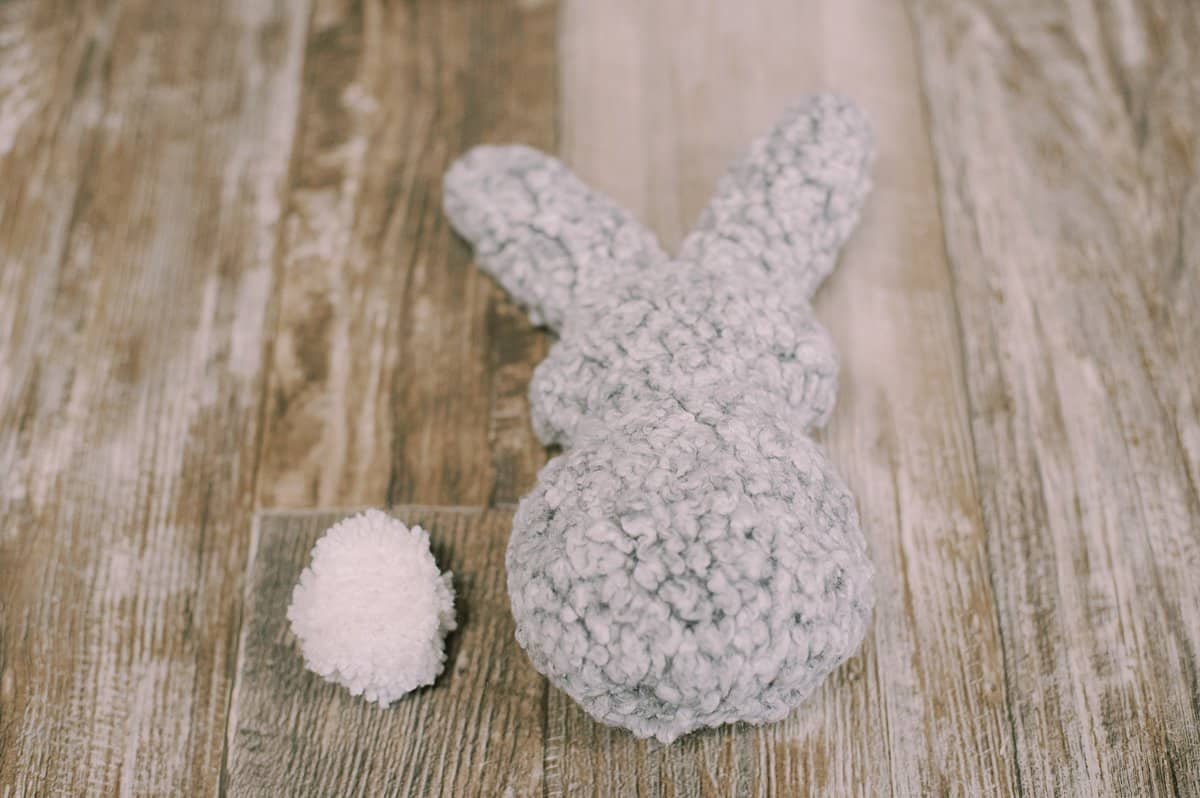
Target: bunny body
x=692, y=558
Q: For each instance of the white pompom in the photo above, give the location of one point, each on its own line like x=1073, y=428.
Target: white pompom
x=372, y=611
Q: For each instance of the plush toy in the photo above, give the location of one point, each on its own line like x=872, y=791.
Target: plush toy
x=692, y=558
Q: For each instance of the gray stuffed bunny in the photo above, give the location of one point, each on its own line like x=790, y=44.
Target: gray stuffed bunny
x=692, y=558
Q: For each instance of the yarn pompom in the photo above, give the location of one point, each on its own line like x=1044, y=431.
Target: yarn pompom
x=373, y=610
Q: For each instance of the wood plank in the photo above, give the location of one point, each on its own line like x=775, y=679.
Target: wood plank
x=399, y=370
x=476, y=731
x=140, y=181
x=1066, y=137
x=921, y=710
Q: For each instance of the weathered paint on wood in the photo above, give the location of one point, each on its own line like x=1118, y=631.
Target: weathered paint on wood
x=225, y=283
x=143, y=153
x=1068, y=144
x=399, y=370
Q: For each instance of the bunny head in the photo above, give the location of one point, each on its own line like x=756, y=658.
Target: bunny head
x=692, y=558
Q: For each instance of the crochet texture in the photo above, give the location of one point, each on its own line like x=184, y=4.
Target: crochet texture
x=692, y=558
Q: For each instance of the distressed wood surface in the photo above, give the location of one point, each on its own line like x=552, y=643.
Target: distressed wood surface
x=399, y=370
x=1068, y=144
x=226, y=284
x=143, y=151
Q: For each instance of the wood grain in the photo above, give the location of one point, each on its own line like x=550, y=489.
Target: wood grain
x=399, y=370
x=1067, y=138
x=925, y=701
x=477, y=731
x=226, y=283
x=143, y=151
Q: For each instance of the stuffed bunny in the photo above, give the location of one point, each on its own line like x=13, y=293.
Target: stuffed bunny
x=691, y=558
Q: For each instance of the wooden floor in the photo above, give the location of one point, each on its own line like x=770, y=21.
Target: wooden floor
x=231, y=311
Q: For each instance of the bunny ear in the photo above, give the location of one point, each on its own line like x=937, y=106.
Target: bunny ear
x=545, y=236
x=790, y=203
